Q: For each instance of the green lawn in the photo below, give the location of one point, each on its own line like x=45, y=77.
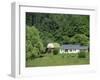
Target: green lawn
x=57, y=60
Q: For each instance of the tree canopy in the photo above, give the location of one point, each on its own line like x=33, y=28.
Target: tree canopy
x=60, y=28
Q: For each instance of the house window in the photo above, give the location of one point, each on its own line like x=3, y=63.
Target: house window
x=66, y=50
x=70, y=50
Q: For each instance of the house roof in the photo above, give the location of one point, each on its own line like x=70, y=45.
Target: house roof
x=71, y=46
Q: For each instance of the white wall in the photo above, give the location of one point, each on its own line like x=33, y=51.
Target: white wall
x=74, y=51
x=5, y=40
x=61, y=51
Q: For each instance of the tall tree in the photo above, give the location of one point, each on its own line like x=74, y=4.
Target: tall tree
x=34, y=45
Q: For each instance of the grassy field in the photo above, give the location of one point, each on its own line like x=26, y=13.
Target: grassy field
x=58, y=60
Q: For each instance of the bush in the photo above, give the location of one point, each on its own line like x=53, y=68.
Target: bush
x=34, y=45
x=82, y=54
x=56, y=51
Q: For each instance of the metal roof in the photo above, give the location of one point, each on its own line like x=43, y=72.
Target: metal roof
x=72, y=46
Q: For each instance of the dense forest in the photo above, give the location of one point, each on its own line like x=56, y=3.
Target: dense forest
x=44, y=28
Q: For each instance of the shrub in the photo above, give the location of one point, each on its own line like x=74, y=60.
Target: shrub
x=82, y=54
x=56, y=51
x=34, y=45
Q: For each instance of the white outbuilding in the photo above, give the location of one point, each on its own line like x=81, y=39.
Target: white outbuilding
x=50, y=45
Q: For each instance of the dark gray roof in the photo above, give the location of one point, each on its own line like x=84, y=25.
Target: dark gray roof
x=72, y=46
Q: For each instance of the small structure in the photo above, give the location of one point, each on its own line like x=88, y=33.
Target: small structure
x=52, y=46
x=70, y=48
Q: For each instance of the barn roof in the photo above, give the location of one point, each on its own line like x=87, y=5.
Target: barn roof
x=72, y=46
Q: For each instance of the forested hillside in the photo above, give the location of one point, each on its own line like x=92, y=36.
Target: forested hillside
x=60, y=28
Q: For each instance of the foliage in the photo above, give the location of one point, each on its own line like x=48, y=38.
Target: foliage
x=82, y=54
x=60, y=28
x=34, y=45
x=56, y=45
x=80, y=39
x=66, y=40
x=56, y=51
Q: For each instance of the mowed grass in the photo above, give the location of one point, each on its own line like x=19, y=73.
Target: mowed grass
x=58, y=60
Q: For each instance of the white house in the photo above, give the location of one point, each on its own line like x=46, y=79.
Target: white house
x=70, y=48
